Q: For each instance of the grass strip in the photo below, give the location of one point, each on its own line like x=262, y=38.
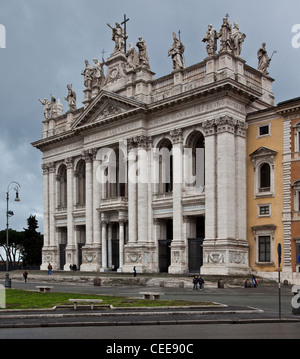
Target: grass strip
x=23, y=299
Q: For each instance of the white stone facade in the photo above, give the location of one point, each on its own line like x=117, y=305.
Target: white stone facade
x=155, y=217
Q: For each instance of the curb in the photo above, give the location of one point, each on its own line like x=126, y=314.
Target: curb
x=148, y=323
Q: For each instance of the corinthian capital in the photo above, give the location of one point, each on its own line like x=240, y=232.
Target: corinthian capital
x=176, y=135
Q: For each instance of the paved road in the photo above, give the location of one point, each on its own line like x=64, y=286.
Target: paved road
x=255, y=309
x=182, y=334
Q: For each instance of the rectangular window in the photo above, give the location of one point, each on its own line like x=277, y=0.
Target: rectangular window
x=264, y=130
x=264, y=249
x=264, y=210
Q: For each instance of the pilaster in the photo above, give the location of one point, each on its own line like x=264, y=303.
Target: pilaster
x=90, y=252
x=225, y=249
x=71, y=248
x=178, y=245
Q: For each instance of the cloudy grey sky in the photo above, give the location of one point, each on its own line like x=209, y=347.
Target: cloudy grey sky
x=48, y=41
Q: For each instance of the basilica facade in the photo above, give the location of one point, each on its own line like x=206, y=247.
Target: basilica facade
x=153, y=173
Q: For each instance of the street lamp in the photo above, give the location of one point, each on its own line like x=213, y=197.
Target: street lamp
x=16, y=187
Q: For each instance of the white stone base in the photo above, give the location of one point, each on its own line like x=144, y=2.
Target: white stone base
x=225, y=257
x=50, y=255
x=178, y=261
x=91, y=258
x=142, y=256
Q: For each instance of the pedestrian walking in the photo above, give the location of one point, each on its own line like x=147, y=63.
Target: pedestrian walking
x=49, y=269
x=201, y=282
x=25, y=275
x=254, y=281
x=134, y=271
x=195, y=282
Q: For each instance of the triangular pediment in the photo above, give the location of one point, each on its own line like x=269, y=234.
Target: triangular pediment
x=107, y=106
x=263, y=151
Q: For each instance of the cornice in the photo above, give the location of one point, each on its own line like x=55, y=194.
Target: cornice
x=221, y=87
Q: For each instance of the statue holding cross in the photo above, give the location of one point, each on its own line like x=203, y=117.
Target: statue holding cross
x=119, y=36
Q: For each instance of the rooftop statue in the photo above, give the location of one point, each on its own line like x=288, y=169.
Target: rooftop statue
x=47, y=108
x=88, y=75
x=98, y=77
x=263, y=59
x=71, y=98
x=211, y=38
x=176, y=52
x=237, y=38
x=224, y=35
x=132, y=57
x=143, y=53
x=118, y=36
x=231, y=39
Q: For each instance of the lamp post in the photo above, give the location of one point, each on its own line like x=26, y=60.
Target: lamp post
x=16, y=187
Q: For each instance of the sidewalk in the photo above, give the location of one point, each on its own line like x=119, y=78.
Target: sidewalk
x=125, y=279
x=240, y=304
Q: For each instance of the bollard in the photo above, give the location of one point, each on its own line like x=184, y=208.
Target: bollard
x=220, y=284
x=97, y=282
x=2, y=297
x=248, y=283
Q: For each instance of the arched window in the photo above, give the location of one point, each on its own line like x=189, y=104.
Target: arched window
x=265, y=177
x=263, y=160
x=62, y=187
x=115, y=172
x=165, y=163
x=80, y=183
x=195, y=160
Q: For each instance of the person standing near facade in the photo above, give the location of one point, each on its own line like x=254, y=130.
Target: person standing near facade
x=195, y=282
x=49, y=269
x=254, y=281
x=134, y=271
x=25, y=275
x=201, y=282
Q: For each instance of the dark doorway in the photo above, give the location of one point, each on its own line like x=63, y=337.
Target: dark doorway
x=115, y=253
x=195, y=254
x=62, y=256
x=164, y=255
x=80, y=245
x=195, y=246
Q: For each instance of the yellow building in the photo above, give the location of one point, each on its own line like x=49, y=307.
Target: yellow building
x=264, y=189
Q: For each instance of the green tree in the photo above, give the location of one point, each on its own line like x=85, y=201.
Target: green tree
x=15, y=244
x=32, y=243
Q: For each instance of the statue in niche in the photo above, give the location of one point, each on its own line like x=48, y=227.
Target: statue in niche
x=98, y=73
x=71, y=98
x=47, y=108
x=118, y=36
x=211, y=38
x=263, y=59
x=224, y=35
x=176, y=52
x=237, y=38
x=143, y=53
x=132, y=57
x=88, y=75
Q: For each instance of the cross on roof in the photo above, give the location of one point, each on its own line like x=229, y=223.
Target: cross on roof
x=125, y=31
